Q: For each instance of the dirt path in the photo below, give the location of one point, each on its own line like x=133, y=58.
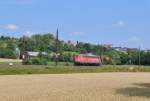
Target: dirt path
x=2, y=60
x=76, y=87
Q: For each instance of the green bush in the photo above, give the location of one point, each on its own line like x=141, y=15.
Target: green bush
x=27, y=62
x=36, y=61
x=7, y=53
x=67, y=56
x=39, y=61
x=67, y=64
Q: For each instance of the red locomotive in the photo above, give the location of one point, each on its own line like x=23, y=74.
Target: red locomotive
x=87, y=59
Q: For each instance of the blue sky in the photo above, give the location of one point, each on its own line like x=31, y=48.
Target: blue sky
x=117, y=22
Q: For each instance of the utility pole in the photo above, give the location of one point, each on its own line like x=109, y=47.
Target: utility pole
x=56, y=48
x=139, y=56
x=101, y=52
x=24, y=57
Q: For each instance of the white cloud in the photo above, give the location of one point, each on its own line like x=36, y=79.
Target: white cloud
x=9, y=26
x=28, y=33
x=119, y=23
x=134, y=39
x=77, y=33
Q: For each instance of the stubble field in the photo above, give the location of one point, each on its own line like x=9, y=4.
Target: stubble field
x=76, y=87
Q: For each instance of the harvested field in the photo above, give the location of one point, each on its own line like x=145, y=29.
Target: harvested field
x=76, y=87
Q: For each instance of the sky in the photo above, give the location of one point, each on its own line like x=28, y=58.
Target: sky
x=123, y=23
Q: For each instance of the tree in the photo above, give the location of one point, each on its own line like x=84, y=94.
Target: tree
x=123, y=58
x=114, y=57
x=67, y=56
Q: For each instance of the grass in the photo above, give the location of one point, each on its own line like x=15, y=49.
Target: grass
x=34, y=69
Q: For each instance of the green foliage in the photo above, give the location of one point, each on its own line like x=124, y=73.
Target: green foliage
x=37, y=42
x=7, y=47
x=113, y=56
x=36, y=61
x=7, y=53
x=46, y=43
x=67, y=56
x=123, y=58
x=145, y=58
x=39, y=61
x=67, y=64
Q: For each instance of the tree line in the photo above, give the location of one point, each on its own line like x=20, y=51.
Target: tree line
x=46, y=43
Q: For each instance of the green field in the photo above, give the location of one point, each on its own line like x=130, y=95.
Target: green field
x=5, y=69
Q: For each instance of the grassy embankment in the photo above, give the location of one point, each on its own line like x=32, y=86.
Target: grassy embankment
x=18, y=68
x=32, y=69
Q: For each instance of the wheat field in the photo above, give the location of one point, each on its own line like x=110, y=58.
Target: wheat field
x=76, y=87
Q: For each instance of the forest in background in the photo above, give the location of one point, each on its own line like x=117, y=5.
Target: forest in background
x=46, y=43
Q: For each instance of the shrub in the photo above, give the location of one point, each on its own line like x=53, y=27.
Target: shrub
x=36, y=61
x=67, y=64
x=7, y=53
x=27, y=62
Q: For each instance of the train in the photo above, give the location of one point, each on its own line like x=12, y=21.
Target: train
x=87, y=59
